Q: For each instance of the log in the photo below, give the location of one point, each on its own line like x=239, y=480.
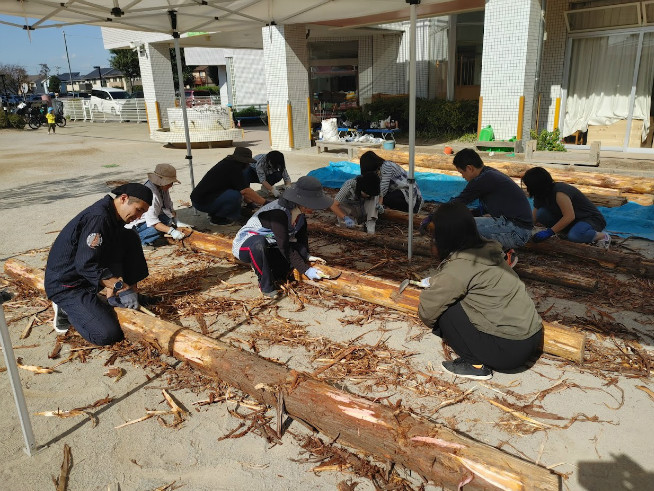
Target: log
x=421, y=247
x=631, y=263
x=433, y=451
x=559, y=340
x=627, y=184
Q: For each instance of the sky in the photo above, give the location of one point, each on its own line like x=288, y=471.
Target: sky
x=85, y=48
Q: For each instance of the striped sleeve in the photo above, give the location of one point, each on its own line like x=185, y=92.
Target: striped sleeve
x=387, y=174
x=260, y=166
x=346, y=192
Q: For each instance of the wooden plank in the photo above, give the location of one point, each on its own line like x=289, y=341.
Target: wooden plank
x=434, y=451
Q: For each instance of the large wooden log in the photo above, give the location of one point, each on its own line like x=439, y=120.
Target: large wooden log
x=627, y=184
x=433, y=451
x=421, y=247
x=559, y=340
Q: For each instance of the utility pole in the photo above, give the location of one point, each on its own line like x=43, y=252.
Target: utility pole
x=70, y=73
x=100, y=74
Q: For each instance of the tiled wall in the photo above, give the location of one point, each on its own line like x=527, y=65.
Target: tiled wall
x=157, y=76
x=511, y=33
x=249, y=77
x=552, y=63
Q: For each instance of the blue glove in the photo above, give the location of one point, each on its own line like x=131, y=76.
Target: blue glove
x=542, y=235
x=349, y=223
x=313, y=273
x=380, y=209
x=424, y=224
x=127, y=298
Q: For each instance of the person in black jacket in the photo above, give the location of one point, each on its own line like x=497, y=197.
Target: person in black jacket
x=95, y=253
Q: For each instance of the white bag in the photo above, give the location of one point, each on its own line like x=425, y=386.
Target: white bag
x=329, y=130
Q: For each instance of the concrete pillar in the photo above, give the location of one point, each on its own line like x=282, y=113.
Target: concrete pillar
x=287, y=81
x=512, y=33
x=158, y=86
x=225, y=93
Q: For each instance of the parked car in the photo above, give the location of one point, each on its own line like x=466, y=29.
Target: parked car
x=108, y=99
x=33, y=97
x=137, y=95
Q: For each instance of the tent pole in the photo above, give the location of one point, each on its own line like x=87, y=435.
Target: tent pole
x=182, y=93
x=412, y=121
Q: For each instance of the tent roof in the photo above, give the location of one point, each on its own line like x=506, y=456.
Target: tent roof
x=208, y=16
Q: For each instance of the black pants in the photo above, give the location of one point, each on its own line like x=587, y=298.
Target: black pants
x=396, y=201
x=267, y=261
x=478, y=347
x=91, y=315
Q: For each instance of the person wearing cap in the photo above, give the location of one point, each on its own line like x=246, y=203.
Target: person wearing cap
x=358, y=198
x=95, y=253
x=161, y=217
x=50, y=117
x=275, y=239
x=268, y=169
x=223, y=189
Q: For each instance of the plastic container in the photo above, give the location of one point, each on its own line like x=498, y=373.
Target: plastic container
x=487, y=134
x=390, y=145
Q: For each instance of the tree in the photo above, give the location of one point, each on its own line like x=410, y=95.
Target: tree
x=45, y=70
x=13, y=76
x=54, y=84
x=187, y=72
x=127, y=61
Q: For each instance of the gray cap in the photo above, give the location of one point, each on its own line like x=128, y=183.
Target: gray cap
x=307, y=192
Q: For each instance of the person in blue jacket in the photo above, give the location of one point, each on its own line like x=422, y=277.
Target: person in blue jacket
x=95, y=253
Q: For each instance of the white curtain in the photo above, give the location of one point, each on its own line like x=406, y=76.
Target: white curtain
x=601, y=78
x=643, y=102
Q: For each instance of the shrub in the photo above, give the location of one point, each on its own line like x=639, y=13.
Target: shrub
x=213, y=89
x=8, y=120
x=248, y=111
x=548, y=140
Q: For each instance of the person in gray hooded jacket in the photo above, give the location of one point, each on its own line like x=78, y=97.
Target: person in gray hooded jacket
x=476, y=302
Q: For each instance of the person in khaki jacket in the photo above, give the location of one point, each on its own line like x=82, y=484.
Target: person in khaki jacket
x=476, y=302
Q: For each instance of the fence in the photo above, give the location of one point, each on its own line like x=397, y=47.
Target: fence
x=80, y=109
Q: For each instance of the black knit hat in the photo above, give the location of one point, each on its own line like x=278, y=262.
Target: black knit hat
x=135, y=190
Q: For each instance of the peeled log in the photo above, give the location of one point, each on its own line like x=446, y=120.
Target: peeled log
x=627, y=184
x=433, y=451
x=559, y=341
x=421, y=247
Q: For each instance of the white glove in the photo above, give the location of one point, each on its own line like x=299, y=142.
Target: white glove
x=316, y=259
x=176, y=234
x=275, y=192
x=183, y=225
x=314, y=274
x=425, y=282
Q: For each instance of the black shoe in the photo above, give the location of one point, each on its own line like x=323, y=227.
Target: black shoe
x=462, y=368
x=273, y=295
x=216, y=220
x=60, y=321
x=147, y=300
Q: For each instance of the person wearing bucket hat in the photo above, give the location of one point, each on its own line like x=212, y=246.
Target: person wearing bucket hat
x=275, y=240
x=394, y=186
x=95, y=253
x=161, y=217
x=268, y=169
x=222, y=190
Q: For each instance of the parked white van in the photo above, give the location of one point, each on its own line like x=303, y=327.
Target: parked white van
x=108, y=99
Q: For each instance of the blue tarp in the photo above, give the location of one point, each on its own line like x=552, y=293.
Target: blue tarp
x=630, y=219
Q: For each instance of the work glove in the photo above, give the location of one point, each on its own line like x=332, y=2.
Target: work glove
x=425, y=282
x=316, y=259
x=542, y=235
x=275, y=192
x=314, y=274
x=176, y=234
x=126, y=298
x=183, y=225
x=380, y=209
x=423, y=225
x=349, y=223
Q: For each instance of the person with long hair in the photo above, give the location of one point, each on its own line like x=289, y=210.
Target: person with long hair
x=475, y=301
x=394, y=183
x=275, y=239
x=268, y=169
x=358, y=198
x=562, y=208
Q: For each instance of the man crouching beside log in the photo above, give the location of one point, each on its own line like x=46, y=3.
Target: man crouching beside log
x=95, y=251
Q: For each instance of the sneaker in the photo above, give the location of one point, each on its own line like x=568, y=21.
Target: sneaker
x=370, y=226
x=511, y=258
x=604, y=242
x=60, y=321
x=216, y=220
x=273, y=295
x=462, y=368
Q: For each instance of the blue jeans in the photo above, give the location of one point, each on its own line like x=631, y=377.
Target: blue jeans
x=504, y=231
x=226, y=205
x=579, y=231
x=149, y=234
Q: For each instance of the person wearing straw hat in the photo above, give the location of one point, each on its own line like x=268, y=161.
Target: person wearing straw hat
x=275, y=240
x=222, y=190
x=161, y=217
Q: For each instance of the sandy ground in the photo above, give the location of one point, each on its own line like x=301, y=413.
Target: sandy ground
x=602, y=440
